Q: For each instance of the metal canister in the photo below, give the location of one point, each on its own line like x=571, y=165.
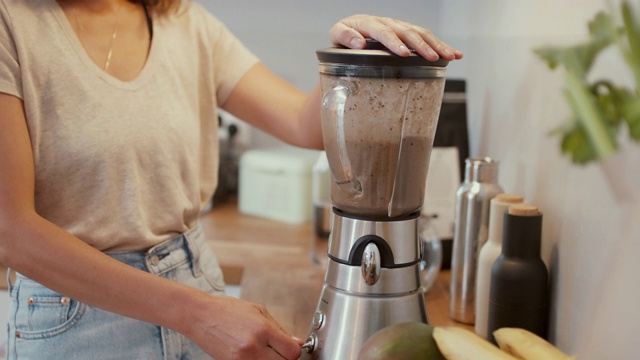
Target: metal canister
x=473, y=200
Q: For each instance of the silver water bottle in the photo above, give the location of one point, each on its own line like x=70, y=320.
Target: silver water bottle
x=473, y=199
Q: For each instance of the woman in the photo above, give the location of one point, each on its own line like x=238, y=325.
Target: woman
x=108, y=151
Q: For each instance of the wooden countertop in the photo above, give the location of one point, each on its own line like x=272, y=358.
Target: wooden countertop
x=271, y=262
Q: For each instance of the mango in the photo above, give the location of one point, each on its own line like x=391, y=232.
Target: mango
x=404, y=341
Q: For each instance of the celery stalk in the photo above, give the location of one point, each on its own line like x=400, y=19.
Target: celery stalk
x=590, y=116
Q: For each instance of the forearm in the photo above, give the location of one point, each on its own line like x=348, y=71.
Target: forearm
x=46, y=253
x=309, y=121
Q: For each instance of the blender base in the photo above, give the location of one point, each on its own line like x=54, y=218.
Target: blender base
x=344, y=321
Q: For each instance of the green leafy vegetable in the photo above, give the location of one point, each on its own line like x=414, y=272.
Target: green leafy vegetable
x=600, y=108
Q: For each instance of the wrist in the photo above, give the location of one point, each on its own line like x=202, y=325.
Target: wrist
x=185, y=308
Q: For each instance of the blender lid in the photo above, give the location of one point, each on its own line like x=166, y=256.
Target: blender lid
x=374, y=54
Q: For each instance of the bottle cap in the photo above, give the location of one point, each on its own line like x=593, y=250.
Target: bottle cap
x=508, y=199
x=481, y=170
x=523, y=210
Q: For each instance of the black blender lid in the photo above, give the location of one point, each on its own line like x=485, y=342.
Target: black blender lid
x=374, y=54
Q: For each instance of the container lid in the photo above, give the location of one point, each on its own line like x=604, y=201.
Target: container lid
x=375, y=54
x=484, y=170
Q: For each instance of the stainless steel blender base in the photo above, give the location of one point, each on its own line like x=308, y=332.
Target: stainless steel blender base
x=372, y=281
x=344, y=321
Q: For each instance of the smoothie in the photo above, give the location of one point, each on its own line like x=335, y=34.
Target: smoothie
x=387, y=134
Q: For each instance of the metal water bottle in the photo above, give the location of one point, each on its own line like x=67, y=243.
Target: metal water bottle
x=473, y=199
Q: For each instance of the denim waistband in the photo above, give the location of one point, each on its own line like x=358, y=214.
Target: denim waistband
x=169, y=254
x=162, y=257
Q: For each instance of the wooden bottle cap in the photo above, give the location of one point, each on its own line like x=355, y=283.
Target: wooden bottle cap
x=508, y=198
x=523, y=210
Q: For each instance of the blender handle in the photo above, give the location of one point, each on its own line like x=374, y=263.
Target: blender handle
x=333, y=108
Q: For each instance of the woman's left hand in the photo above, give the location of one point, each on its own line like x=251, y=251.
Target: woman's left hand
x=396, y=35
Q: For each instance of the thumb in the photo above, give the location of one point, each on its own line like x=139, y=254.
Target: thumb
x=286, y=345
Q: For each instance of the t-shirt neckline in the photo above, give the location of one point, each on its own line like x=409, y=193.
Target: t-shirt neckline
x=92, y=67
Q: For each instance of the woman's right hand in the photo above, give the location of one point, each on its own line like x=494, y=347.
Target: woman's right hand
x=228, y=328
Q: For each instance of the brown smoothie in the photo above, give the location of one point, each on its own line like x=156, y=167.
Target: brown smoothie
x=389, y=175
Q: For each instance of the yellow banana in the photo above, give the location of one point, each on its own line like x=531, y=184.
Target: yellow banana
x=460, y=344
x=526, y=345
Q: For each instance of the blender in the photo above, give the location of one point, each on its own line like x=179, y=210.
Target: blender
x=379, y=116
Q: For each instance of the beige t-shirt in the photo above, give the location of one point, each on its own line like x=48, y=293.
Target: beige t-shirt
x=121, y=165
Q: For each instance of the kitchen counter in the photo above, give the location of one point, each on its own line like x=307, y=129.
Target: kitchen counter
x=270, y=261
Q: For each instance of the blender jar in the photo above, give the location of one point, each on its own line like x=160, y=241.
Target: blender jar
x=379, y=117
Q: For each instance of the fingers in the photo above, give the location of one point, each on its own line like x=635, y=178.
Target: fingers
x=284, y=348
x=282, y=343
x=351, y=32
x=298, y=340
x=394, y=34
x=422, y=40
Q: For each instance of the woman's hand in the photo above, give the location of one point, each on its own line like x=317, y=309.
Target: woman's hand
x=396, y=35
x=236, y=329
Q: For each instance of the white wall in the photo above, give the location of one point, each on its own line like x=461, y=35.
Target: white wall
x=515, y=101
x=590, y=235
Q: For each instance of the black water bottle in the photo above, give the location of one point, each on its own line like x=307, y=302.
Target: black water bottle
x=519, y=295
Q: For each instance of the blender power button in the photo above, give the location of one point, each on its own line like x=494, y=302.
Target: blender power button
x=318, y=320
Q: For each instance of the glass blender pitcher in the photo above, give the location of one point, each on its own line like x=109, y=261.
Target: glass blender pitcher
x=379, y=117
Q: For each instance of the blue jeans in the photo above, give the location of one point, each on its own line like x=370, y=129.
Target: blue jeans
x=44, y=324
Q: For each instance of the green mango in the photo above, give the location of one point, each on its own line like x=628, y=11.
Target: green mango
x=404, y=341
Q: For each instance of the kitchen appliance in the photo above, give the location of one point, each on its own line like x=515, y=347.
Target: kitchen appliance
x=321, y=196
x=440, y=193
x=228, y=169
x=379, y=116
x=322, y=213
x=450, y=149
x=275, y=183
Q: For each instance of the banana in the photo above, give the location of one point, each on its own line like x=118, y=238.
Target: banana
x=526, y=345
x=460, y=344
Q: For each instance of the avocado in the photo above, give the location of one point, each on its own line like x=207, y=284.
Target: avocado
x=404, y=341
